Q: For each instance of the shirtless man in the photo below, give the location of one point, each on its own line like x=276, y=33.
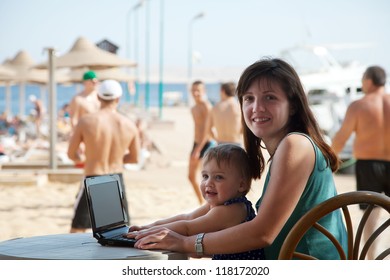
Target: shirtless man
x=86, y=101
x=110, y=140
x=369, y=118
x=200, y=112
x=224, y=122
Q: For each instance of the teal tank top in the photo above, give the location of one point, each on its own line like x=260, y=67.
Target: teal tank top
x=319, y=187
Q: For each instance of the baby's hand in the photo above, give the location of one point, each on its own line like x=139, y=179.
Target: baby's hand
x=132, y=233
x=136, y=228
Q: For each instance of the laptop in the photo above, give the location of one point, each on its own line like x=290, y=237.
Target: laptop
x=105, y=202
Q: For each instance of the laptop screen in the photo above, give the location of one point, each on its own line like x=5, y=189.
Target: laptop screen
x=106, y=204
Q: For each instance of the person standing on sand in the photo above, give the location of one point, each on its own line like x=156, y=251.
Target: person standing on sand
x=224, y=121
x=86, y=101
x=369, y=119
x=202, y=139
x=38, y=113
x=110, y=140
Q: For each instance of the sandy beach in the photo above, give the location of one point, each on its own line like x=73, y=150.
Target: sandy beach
x=160, y=190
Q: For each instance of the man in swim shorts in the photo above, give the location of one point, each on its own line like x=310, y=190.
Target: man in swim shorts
x=202, y=138
x=110, y=138
x=369, y=119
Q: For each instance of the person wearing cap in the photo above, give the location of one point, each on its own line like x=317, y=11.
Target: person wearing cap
x=86, y=101
x=38, y=112
x=110, y=139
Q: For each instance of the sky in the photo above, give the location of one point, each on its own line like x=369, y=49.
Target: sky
x=231, y=35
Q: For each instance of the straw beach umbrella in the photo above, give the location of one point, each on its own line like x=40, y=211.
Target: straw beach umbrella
x=86, y=54
x=113, y=73
x=22, y=65
x=6, y=74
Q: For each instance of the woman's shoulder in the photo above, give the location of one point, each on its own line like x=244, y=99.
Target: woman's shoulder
x=295, y=150
x=297, y=140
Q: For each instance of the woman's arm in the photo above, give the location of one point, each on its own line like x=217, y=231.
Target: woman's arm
x=292, y=165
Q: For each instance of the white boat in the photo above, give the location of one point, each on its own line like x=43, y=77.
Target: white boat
x=330, y=86
x=173, y=98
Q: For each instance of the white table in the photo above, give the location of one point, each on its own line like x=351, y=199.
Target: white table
x=76, y=246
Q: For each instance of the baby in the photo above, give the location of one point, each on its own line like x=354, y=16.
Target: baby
x=226, y=179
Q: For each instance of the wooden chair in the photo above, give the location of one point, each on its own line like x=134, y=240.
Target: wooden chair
x=341, y=201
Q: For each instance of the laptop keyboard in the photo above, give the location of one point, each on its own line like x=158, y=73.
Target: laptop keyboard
x=122, y=238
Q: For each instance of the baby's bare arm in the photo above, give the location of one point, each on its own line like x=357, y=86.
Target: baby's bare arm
x=181, y=217
x=218, y=218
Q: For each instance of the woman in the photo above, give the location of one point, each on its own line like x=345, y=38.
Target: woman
x=275, y=116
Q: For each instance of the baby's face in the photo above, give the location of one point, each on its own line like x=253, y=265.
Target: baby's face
x=220, y=183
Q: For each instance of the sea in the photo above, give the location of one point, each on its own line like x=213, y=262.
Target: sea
x=140, y=99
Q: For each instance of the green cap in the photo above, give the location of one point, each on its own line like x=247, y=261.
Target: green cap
x=89, y=75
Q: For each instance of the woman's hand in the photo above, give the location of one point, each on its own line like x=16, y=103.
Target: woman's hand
x=158, y=238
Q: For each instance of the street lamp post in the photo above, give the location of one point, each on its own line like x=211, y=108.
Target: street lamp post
x=147, y=58
x=136, y=56
x=161, y=69
x=128, y=33
x=128, y=39
x=190, y=52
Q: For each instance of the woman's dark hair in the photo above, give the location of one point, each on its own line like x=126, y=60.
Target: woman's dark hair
x=277, y=71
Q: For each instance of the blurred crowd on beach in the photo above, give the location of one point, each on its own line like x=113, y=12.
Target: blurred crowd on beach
x=19, y=134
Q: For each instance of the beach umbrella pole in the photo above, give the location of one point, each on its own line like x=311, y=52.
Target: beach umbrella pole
x=52, y=109
x=8, y=100
x=22, y=103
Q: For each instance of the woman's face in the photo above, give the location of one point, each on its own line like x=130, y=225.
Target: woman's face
x=266, y=110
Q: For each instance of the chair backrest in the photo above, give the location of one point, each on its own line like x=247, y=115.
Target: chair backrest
x=341, y=201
